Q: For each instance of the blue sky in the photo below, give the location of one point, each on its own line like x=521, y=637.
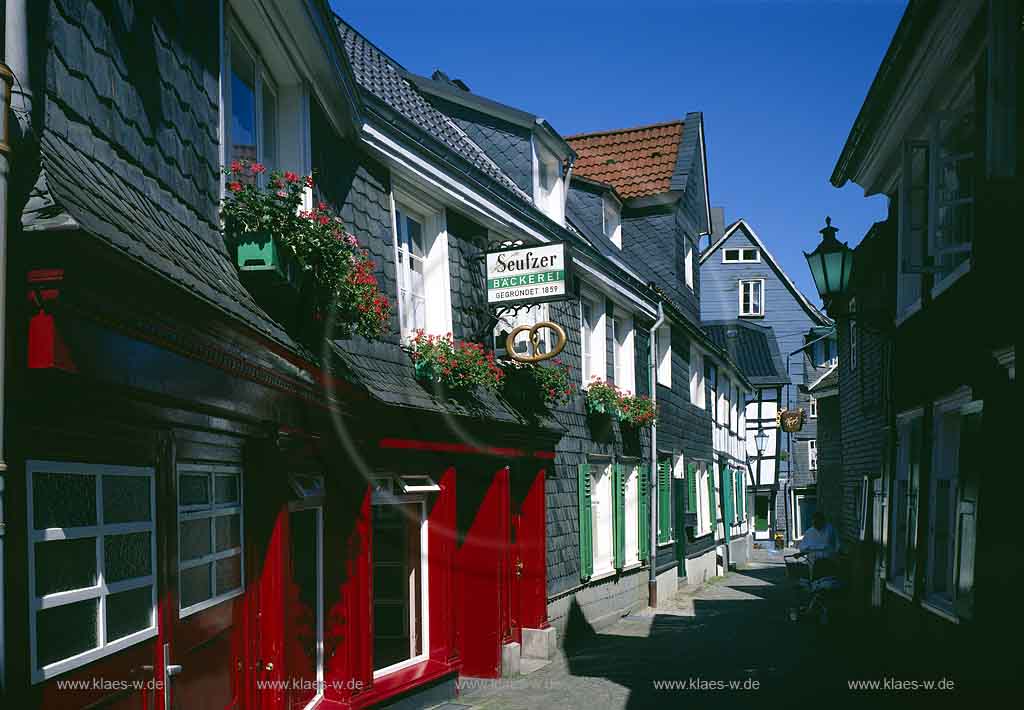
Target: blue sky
x=779, y=84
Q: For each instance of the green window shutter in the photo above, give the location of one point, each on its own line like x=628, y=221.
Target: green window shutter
x=727, y=494
x=586, y=522
x=644, y=511
x=619, y=516
x=664, y=501
x=691, y=477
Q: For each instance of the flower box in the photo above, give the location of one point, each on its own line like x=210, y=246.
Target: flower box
x=263, y=260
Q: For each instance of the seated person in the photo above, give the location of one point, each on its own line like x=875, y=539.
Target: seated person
x=820, y=545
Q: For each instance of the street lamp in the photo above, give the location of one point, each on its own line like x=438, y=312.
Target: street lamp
x=760, y=441
x=831, y=263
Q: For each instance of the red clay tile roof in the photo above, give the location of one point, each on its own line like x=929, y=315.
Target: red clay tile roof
x=636, y=161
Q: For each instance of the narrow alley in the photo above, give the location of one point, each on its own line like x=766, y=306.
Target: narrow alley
x=743, y=618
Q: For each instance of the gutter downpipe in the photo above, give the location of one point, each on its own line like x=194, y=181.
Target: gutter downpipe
x=16, y=58
x=652, y=573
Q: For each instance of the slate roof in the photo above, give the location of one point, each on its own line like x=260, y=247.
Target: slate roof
x=132, y=160
x=753, y=348
x=383, y=79
x=828, y=381
x=387, y=373
x=637, y=162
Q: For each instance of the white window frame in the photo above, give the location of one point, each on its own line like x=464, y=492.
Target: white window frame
x=596, y=342
x=904, y=425
x=381, y=497
x=853, y=345
x=703, y=511
x=623, y=353
x=812, y=407
x=799, y=525
x=550, y=201
x=688, y=265
x=291, y=91
x=101, y=590
x=696, y=377
x=663, y=338
x=760, y=287
x=211, y=510
x=436, y=275
x=632, y=517
x=602, y=496
x=950, y=406
x=741, y=257
x=611, y=219
x=812, y=454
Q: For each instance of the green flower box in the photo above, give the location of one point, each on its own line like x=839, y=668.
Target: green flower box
x=264, y=261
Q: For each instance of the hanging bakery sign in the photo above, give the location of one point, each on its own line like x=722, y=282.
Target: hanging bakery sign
x=527, y=275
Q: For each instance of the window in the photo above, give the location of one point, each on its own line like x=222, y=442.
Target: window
x=622, y=353
x=548, y=187
x=937, y=196
x=805, y=503
x=530, y=315
x=305, y=600
x=752, y=297
x=592, y=336
x=688, y=265
x=421, y=258
x=726, y=414
x=400, y=561
x=664, y=346
x=812, y=454
x=735, y=256
x=711, y=388
x=209, y=535
x=812, y=406
x=633, y=521
x=943, y=503
x=906, y=482
x=91, y=557
x=853, y=345
x=252, y=116
x=696, y=378
x=666, y=529
x=698, y=500
x=612, y=220
x=601, y=514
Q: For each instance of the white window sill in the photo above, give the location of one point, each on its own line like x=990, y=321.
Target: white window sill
x=896, y=587
x=940, y=607
x=907, y=312
x=951, y=278
x=667, y=543
x=603, y=573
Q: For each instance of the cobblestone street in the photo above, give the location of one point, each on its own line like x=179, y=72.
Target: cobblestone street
x=730, y=638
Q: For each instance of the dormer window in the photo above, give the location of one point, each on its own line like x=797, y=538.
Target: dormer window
x=548, y=183
x=612, y=219
x=739, y=256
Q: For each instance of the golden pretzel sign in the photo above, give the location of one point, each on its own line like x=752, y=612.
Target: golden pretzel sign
x=536, y=355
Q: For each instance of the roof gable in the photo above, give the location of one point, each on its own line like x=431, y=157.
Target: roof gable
x=637, y=162
x=815, y=314
x=753, y=348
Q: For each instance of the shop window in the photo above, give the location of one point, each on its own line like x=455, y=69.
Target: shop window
x=399, y=554
x=92, y=557
x=209, y=536
x=304, y=599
